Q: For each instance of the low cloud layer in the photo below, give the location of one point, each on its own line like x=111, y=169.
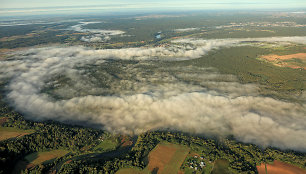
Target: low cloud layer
x=108, y=89
x=96, y=35
x=231, y=42
x=186, y=29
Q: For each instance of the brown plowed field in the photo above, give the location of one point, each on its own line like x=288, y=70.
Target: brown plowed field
x=285, y=57
x=280, y=168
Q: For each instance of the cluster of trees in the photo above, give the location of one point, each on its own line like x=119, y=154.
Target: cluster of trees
x=48, y=136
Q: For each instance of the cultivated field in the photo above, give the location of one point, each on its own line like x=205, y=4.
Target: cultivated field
x=10, y=132
x=167, y=158
x=164, y=158
x=37, y=158
x=40, y=157
x=295, y=61
x=279, y=167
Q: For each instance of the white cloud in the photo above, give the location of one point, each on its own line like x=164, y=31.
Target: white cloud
x=186, y=29
x=97, y=35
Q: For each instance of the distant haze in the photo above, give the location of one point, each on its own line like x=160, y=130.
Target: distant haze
x=34, y=7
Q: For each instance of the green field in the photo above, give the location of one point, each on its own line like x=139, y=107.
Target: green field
x=221, y=167
x=11, y=132
x=177, y=159
x=107, y=144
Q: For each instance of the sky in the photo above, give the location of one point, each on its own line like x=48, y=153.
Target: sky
x=8, y=7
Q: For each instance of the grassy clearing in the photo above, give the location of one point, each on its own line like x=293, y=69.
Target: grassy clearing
x=107, y=144
x=40, y=157
x=104, y=144
x=11, y=132
x=221, y=167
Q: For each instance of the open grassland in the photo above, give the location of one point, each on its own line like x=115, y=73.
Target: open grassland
x=279, y=167
x=10, y=132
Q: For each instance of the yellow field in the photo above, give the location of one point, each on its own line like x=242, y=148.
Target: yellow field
x=36, y=158
x=295, y=61
x=40, y=157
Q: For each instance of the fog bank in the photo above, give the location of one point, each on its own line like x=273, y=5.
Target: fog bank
x=104, y=87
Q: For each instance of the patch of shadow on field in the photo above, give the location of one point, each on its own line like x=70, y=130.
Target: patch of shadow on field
x=155, y=170
x=21, y=166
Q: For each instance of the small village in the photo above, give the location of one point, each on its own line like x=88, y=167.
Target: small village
x=197, y=163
